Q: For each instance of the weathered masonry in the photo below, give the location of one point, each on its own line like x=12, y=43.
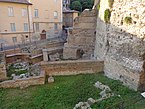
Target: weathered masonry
x=81, y=39
x=120, y=41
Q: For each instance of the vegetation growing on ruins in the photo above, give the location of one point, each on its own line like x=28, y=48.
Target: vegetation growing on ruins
x=13, y=70
x=98, y=6
x=128, y=20
x=110, y=2
x=107, y=15
x=66, y=91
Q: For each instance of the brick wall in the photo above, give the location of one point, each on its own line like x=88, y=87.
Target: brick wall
x=23, y=83
x=72, y=67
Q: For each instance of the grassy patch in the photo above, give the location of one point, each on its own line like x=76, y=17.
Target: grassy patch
x=65, y=92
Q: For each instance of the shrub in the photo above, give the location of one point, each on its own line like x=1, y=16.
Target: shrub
x=107, y=15
x=128, y=20
x=110, y=2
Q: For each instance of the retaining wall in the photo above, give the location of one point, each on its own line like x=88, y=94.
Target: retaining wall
x=72, y=67
x=23, y=83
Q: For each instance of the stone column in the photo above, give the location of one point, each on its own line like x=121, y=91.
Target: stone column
x=45, y=55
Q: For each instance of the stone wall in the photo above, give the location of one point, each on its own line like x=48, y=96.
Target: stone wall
x=2, y=67
x=122, y=45
x=72, y=67
x=82, y=36
x=23, y=83
x=33, y=52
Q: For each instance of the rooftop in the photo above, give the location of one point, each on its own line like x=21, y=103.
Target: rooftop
x=17, y=1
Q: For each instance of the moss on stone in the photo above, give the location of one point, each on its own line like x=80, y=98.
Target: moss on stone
x=128, y=20
x=107, y=15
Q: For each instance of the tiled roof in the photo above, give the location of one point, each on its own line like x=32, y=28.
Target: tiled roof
x=17, y=1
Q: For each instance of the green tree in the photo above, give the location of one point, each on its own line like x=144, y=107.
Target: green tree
x=76, y=5
x=85, y=4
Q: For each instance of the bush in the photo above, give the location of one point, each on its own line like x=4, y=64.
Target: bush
x=107, y=15
x=110, y=2
x=128, y=20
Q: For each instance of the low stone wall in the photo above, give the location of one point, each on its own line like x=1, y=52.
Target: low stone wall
x=72, y=67
x=23, y=83
x=2, y=67
x=2, y=72
x=119, y=71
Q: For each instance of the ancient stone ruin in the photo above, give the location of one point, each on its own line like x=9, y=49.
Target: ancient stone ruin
x=105, y=94
x=2, y=67
x=81, y=39
x=120, y=41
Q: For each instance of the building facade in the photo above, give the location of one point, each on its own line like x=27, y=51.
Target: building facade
x=22, y=21
x=69, y=17
x=68, y=14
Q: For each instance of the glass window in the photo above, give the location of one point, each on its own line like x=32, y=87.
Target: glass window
x=24, y=12
x=25, y=26
x=37, y=27
x=36, y=13
x=10, y=11
x=46, y=14
x=55, y=14
x=13, y=27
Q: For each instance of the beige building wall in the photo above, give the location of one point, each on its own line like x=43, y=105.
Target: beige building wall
x=5, y=20
x=69, y=17
x=45, y=20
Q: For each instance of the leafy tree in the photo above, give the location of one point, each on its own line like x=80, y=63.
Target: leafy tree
x=85, y=4
x=76, y=5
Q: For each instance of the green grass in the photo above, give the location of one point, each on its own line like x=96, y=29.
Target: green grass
x=66, y=92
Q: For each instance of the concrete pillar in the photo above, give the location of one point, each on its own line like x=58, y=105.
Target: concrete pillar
x=45, y=55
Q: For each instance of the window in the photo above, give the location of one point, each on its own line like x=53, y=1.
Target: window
x=14, y=39
x=10, y=11
x=36, y=13
x=56, y=26
x=37, y=27
x=13, y=27
x=55, y=14
x=24, y=12
x=25, y=26
x=46, y=14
